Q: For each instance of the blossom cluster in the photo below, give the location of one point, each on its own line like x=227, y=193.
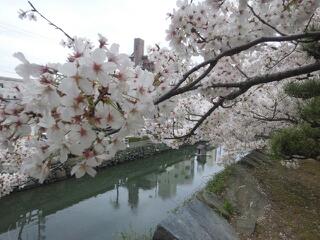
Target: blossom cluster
x=10, y=181
x=207, y=28
x=81, y=109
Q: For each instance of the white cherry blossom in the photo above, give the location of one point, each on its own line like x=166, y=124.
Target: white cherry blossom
x=83, y=109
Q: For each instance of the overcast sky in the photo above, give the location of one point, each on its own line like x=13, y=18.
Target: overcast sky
x=119, y=20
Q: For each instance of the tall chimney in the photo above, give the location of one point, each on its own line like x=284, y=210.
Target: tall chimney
x=138, y=51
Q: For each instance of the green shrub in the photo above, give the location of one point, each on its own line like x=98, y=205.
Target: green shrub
x=303, y=138
x=300, y=140
x=306, y=89
x=311, y=111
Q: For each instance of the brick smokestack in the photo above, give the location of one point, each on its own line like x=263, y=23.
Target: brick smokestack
x=138, y=51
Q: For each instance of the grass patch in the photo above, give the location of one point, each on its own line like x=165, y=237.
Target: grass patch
x=132, y=235
x=227, y=206
x=218, y=183
x=137, y=139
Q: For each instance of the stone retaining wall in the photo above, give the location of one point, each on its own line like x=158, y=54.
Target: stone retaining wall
x=130, y=154
x=134, y=153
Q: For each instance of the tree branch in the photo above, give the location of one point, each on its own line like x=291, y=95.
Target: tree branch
x=264, y=22
x=246, y=85
x=50, y=23
x=190, y=86
x=230, y=52
x=310, y=19
x=274, y=119
x=276, y=77
x=273, y=77
x=201, y=120
x=285, y=56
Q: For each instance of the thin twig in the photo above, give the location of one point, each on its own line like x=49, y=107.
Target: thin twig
x=50, y=23
x=201, y=120
x=264, y=22
x=284, y=57
x=239, y=69
x=307, y=26
x=274, y=119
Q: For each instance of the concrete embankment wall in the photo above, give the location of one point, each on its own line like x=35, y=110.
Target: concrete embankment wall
x=204, y=215
x=135, y=151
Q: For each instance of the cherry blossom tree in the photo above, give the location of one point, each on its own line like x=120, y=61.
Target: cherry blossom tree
x=221, y=81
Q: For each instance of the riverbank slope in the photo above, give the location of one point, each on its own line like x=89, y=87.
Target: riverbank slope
x=258, y=197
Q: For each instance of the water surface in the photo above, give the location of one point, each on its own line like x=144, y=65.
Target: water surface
x=134, y=196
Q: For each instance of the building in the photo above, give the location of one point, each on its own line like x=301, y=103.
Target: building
x=138, y=56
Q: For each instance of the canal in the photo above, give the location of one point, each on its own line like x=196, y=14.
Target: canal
x=130, y=197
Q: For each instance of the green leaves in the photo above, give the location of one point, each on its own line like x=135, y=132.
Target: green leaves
x=302, y=140
x=306, y=89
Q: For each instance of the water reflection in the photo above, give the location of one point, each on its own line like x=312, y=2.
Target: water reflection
x=136, y=195
x=34, y=217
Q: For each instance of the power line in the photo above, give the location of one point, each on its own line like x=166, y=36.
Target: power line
x=10, y=79
x=2, y=70
x=18, y=30
x=15, y=32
